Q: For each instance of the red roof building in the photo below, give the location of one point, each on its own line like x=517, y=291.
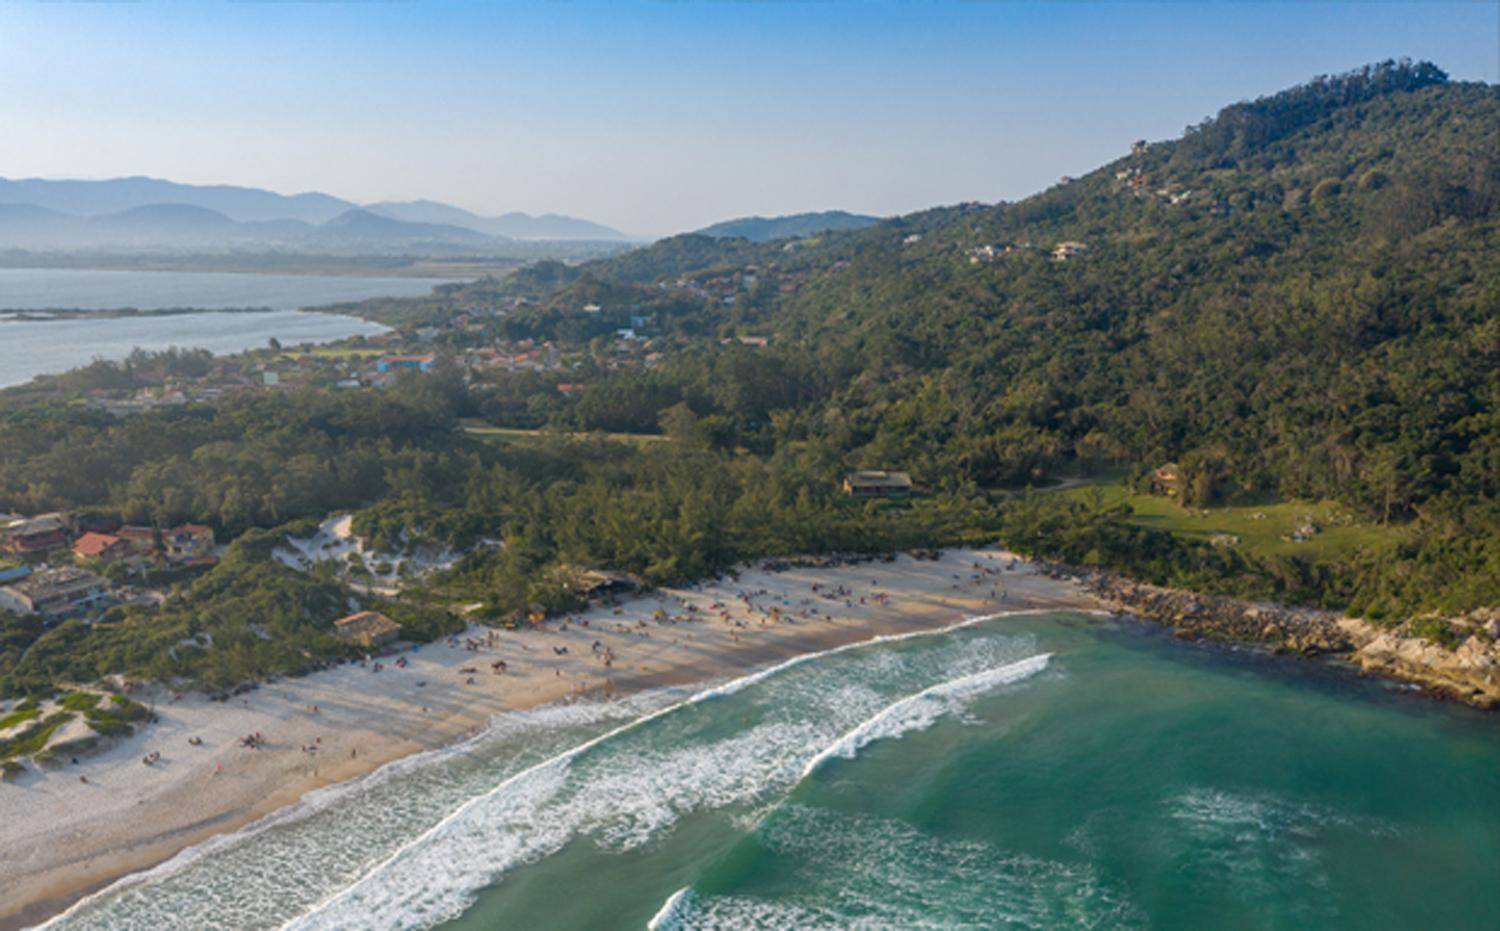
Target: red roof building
x=100, y=546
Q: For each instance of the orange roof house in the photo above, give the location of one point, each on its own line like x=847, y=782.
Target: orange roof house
x=100, y=546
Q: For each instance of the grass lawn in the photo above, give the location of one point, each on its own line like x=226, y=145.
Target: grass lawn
x=335, y=352
x=1262, y=528
x=513, y=434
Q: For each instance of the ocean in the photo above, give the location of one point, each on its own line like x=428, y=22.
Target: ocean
x=1052, y=770
x=31, y=347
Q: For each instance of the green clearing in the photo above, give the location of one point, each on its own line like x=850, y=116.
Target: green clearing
x=516, y=434
x=1262, y=529
x=334, y=352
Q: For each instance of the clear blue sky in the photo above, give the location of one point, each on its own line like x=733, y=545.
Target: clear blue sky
x=659, y=117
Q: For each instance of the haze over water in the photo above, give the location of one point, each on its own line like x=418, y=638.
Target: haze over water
x=1046, y=771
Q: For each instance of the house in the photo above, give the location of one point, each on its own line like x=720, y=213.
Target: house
x=100, y=546
x=1167, y=480
x=877, y=484
x=595, y=583
x=54, y=592
x=1066, y=250
x=190, y=541
x=1138, y=147
x=14, y=574
x=35, y=534
x=367, y=628
x=141, y=540
x=407, y=363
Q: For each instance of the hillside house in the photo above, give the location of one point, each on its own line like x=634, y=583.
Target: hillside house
x=141, y=540
x=1167, y=480
x=367, y=628
x=54, y=592
x=189, y=541
x=873, y=484
x=35, y=534
x=1064, y=251
x=103, y=546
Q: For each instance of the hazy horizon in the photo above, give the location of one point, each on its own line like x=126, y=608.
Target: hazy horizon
x=662, y=118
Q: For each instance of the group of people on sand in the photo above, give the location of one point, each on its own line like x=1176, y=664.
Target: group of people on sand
x=252, y=741
x=151, y=758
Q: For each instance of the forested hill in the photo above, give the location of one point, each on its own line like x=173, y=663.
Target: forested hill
x=1299, y=295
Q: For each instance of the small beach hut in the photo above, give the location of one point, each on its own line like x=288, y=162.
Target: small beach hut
x=367, y=628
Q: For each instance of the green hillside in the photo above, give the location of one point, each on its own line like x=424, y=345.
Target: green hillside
x=1298, y=298
x=1297, y=303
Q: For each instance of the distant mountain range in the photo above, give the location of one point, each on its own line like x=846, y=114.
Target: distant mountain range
x=152, y=214
x=792, y=226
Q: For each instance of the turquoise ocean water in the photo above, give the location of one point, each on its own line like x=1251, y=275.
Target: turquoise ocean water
x=1042, y=771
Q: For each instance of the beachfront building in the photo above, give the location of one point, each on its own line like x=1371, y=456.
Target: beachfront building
x=55, y=592
x=388, y=364
x=877, y=484
x=595, y=583
x=103, y=546
x=188, y=542
x=367, y=628
x=35, y=534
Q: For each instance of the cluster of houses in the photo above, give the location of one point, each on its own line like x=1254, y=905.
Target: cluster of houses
x=59, y=591
x=1061, y=252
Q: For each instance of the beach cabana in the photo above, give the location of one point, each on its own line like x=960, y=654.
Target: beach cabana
x=367, y=628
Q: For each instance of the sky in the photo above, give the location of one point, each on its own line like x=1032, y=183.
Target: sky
x=660, y=117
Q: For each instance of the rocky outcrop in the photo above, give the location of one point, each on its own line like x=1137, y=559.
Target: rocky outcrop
x=1470, y=672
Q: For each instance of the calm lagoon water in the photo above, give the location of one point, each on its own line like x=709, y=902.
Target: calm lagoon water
x=29, y=347
x=1050, y=771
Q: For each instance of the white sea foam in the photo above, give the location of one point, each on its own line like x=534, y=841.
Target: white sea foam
x=669, y=917
x=621, y=801
x=503, y=729
x=859, y=871
x=348, y=864
x=920, y=711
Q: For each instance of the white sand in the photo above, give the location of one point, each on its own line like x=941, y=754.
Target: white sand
x=61, y=837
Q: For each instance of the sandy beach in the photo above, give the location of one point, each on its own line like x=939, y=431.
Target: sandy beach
x=74, y=829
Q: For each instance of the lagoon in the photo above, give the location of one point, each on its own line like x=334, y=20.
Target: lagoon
x=32, y=347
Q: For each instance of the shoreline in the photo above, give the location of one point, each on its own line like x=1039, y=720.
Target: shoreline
x=1468, y=674
x=68, y=839
x=703, y=634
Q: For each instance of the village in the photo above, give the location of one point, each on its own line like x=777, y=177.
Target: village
x=56, y=566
